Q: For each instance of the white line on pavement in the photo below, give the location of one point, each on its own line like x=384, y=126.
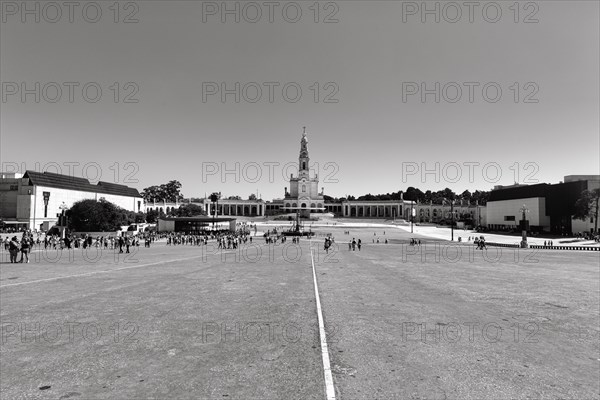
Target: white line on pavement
x=329, y=389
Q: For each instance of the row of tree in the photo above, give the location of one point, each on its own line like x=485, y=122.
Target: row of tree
x=477, y=197
x=171, y=192
x=414, y=194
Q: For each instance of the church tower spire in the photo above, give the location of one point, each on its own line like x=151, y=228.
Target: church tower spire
x=303, y=159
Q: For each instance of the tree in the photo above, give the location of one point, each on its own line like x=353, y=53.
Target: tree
x=140, y=217
x=171, y=191
x=167, y=192
x=234, y=198
x=152, y=194
x=98, y=216
x=367, y=197
x=215, y=196
x=587, y=206
x=252, y=197
x=447, y=194
x=152, y=216
x=189, y=210
x=466, y=195
x=414, y=194
x=480, y=197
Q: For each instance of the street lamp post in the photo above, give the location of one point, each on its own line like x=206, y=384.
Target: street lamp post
x=63, y=207
x=452, y=221
x=214, y=198
x=412, y=215
x=524, y=224
x=451, y=218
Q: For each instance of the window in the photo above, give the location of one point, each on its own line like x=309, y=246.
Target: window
x=303, y=188
x=509, y=217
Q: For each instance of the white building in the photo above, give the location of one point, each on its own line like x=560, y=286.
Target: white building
x=34, y=200
x=389, y=209
x=225, y=207
x=232, y=207
x=549, y=208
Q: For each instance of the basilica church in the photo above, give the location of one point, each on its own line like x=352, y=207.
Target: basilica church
x=304, y=191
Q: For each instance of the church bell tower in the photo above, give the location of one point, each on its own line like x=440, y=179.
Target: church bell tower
x=303, y=164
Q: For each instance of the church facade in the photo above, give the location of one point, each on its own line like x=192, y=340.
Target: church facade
x=304, y=195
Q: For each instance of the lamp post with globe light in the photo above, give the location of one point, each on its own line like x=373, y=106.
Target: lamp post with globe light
x=214, y=198
x=524, y=226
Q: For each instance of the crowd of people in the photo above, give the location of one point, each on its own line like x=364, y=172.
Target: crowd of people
x=224, y=239
x=588, y=236
x=122, y=242
x=14, y=246
x=479, y=242
x=353, y=244
x=30, y=240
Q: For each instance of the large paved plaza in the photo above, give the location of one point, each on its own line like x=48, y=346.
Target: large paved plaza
x=402, y=322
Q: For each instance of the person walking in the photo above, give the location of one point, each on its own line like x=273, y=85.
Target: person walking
x=25, y=247
x=13, y=249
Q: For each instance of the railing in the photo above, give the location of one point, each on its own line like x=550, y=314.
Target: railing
x=502, y=244
x=589, y=248
x=538, y=246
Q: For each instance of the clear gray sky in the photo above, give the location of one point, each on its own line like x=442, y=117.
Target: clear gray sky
x=372, y=57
